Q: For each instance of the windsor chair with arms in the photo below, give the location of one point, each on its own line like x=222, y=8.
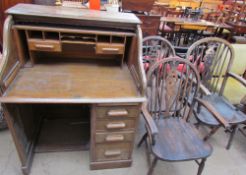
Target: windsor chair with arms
x=214, y=57
x=169, y=136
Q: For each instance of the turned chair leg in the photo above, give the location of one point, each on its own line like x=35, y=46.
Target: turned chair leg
x=142, y=139
x=153, y=164
x=148, y=152
x=201, y=166
x=213, y=130
x=197, y=125
x=234, y=129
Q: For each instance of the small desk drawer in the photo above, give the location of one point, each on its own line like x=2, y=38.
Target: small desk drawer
x=117, y=151
x=114, y=125
x=114, y=137
x=107, y=48
x=117, y=111
x=44, y=45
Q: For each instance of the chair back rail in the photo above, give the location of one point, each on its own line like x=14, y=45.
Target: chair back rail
x=213, y=58
x=172, y=83
x=174, y=13
x=155, y=48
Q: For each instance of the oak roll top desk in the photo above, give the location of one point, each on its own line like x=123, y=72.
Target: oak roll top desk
x=72, y=79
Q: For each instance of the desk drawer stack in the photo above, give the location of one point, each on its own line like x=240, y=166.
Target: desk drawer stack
x=112, y=137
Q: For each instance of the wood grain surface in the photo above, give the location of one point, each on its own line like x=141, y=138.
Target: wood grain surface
x=67, y=13
x=72, y=80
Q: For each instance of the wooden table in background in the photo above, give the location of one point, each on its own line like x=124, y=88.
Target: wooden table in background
x=185, y=23
x=239, y=27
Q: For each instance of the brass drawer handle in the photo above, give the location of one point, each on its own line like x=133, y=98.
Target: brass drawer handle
x=44, y=46
x=109, y=49
x=119, y=125
x=114, y=138
x=112, y=153
x=117, y=112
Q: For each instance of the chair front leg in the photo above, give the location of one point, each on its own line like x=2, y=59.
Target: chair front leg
x=197, y=125
x=234, y=129
x=142, y=139
x=153, y=164
x=148, y=151
x=201, y=166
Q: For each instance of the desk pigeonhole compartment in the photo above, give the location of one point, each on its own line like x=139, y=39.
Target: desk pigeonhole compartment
x=68, y=44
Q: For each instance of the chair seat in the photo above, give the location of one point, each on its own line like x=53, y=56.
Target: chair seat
x=226, y=31
x=166, y=28
x=207, y=33
x=239, y=39
x=178, y=140
x=223, y=107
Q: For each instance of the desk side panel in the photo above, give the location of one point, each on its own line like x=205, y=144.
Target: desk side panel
x=10, y=64
x=24, y=127
x=8, y=70
x=135, y=63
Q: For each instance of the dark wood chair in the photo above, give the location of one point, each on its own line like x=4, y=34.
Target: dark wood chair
x=137, y=6
x=169, y=137
x=150, y=24
x=169, y=30
x=165, y=9
x=217, y=18
x=155, y=48
x=170, y=27
x=213, y=58
x=174, y=13
x=162, y=8
x=156, y=10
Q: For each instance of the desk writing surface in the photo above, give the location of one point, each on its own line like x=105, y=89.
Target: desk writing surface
x=70, y=82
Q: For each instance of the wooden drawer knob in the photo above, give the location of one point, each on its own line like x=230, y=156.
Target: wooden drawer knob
x=117, y=112
x=44, y=46
x=110, y=50
x=114, y=138
x=119, y=125
x=111, y=153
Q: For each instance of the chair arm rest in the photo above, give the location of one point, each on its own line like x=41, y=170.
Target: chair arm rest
x=151, y=127
x=149, y=120
x=204, y=90
x=211, y=109
x=238, y=78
